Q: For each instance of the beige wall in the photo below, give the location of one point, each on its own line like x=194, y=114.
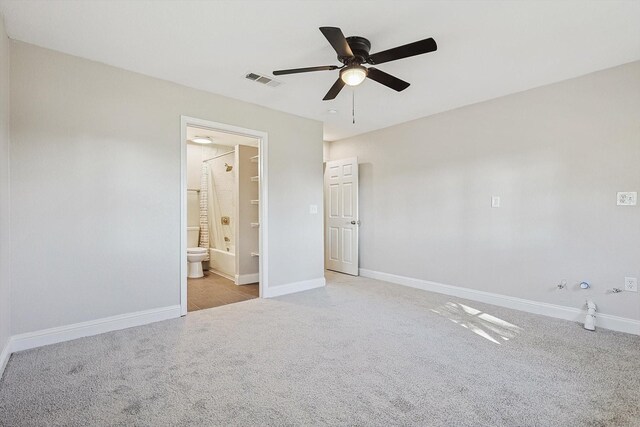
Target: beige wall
x=95, y=187
x=556, y=156
x=325, y=150
x=5, y=277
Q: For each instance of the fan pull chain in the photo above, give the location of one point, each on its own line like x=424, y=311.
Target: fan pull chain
x=353, y=105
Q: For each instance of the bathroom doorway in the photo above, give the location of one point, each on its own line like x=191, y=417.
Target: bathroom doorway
x=223, y=214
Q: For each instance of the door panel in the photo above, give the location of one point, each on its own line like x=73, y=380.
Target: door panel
x=334, y=254
x=347, y=240
x=341, y=215
x=334, y=207
x=347, y=200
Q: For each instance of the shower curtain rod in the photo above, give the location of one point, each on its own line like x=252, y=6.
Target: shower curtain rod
x=220, y=155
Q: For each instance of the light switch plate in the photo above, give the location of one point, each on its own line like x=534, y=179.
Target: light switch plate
x=631, y=284
x=495, y=201
x=313, y=209
x=627, y=198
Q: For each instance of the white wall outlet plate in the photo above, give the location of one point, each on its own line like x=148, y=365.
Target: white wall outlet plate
x=313, y=209
x=631, y=284
x=627, y=198
x=495, y=201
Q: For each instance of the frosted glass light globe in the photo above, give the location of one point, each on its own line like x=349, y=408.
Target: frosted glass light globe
x=353, y=75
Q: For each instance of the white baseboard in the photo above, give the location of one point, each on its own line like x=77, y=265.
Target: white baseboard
x=616, y=323
x=606, y=321
x=220, y=273
x=245, y=279
x=92, y=327
x=4, y=356
x=291, y=288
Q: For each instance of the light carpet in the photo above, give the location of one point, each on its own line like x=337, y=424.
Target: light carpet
x=358, y=352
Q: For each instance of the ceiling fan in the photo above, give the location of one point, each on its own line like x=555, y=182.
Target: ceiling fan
x=353, y=52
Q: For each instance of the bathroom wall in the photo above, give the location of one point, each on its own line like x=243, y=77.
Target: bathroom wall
x=247, y=241
x=556, y=155
x=196, y=154
x=193, y=208
x=5, y=239
x=95, y=188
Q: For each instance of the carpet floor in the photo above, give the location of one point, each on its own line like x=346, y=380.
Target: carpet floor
x=357, y=352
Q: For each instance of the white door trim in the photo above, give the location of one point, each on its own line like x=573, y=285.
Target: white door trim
x=263, y=217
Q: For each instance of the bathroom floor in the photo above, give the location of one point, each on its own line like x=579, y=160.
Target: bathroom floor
x=213, y=291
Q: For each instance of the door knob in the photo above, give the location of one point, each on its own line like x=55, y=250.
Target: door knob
x=355, y=222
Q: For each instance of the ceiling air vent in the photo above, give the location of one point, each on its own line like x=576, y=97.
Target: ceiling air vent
x=268, y=81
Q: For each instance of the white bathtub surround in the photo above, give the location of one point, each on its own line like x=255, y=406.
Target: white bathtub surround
x=221, y=200
x=223, y=262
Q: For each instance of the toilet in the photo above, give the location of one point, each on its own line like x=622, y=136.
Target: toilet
x=195, y=255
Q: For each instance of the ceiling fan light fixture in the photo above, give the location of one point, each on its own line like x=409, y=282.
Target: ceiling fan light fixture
x=353, y=75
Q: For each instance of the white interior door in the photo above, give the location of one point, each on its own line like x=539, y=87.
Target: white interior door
x=341, y=215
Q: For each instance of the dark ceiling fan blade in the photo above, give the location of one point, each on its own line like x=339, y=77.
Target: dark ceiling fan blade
x=338, y=41
x=405, y=51
x=387, y=79
x=334, y=91
x=305, y=70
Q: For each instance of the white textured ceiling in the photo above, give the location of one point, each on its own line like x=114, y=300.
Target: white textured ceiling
x=486, y=49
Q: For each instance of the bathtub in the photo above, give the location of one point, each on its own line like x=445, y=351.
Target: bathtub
x=223, y=262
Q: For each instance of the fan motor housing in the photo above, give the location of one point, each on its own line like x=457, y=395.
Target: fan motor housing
x=360, y=48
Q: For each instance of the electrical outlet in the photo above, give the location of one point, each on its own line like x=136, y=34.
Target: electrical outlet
x=627, y=198
x=313, y=209
x=631, y=284
x=495, y=201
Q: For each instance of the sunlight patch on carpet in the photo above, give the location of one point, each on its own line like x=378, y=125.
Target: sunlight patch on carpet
x=480, y=323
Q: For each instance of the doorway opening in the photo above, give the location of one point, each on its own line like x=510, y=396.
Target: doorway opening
x=223, y=215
